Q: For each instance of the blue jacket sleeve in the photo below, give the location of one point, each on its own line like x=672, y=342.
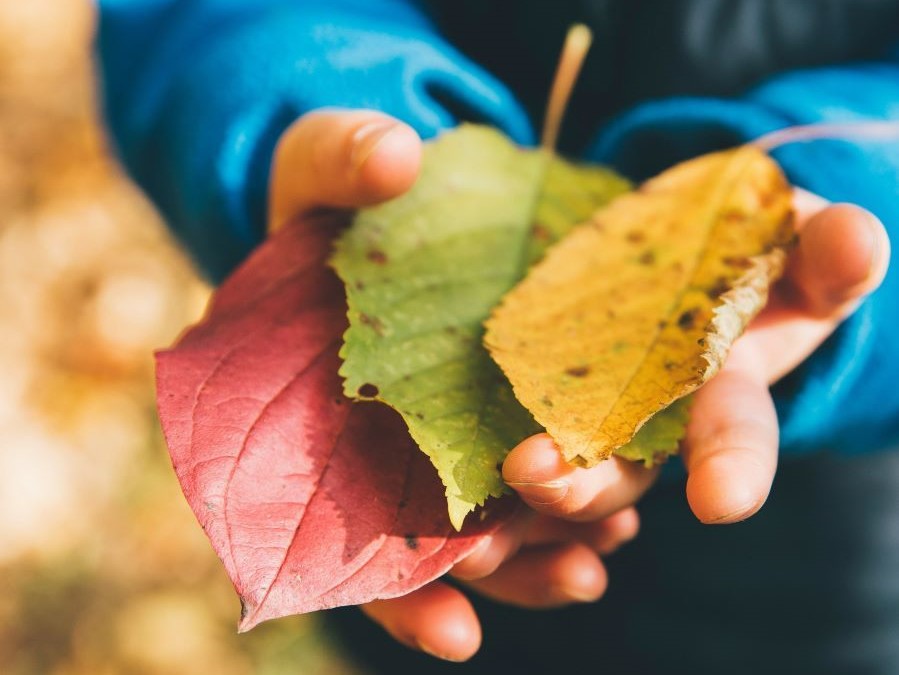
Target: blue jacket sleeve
x=846, y=396
x=197, y=92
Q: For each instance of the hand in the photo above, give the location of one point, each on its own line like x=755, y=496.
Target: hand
x=342, y=160
x=550, y=557
x=730, y=451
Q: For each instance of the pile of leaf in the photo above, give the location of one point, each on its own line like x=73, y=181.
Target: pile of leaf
x=315, y=493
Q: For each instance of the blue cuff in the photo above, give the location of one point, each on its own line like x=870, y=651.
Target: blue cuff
x=198, y=122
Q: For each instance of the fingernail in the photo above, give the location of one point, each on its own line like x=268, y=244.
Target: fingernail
x=427, y=649
x=854, y=293
x=874, y=226
x=734, y=516
x=545, y=494
x=367, y=139
x=577, y=594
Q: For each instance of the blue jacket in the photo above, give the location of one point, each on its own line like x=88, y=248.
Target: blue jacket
x=198, y=91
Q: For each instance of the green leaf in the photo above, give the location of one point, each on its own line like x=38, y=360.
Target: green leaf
x=424, y=271
x=660, y=437
x=571, y=194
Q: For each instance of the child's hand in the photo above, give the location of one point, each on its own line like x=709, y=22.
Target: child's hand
x=339, y=159
x=730, y=452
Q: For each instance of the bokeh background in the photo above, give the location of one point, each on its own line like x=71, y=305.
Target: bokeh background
x=103, y=568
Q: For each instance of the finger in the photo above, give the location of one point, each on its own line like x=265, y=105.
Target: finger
x=730, y=451
x=437, y=619
x=549, y=485
x=545, y=577
x=495, y=549
x=842, y=255
x=341, y=159
x=603, y=536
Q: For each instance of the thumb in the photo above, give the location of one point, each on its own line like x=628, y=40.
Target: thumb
x=341, y=159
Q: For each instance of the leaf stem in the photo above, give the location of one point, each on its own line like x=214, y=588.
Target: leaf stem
x=878, y=130
x=577, y=44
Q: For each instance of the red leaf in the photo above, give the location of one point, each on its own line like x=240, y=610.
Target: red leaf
x=310, y=501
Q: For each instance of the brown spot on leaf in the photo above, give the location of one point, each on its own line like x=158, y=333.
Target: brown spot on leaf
x=719, y=288
x=411, y=542
x=372, y=322
x=636, y=237
x=687, y=320
x=769, y=198
x=377, y=256
x=740, y=262
x=368, y=390
x=578, y=371
x=541, y=233
x=647, y=258
x=547, y=401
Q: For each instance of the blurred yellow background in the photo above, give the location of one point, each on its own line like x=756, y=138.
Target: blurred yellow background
x=103, y=568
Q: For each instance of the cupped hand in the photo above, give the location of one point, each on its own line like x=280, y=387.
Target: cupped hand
x=730, y=452
x=550, y=555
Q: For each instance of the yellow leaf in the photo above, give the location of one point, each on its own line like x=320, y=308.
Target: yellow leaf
x=639, y=307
